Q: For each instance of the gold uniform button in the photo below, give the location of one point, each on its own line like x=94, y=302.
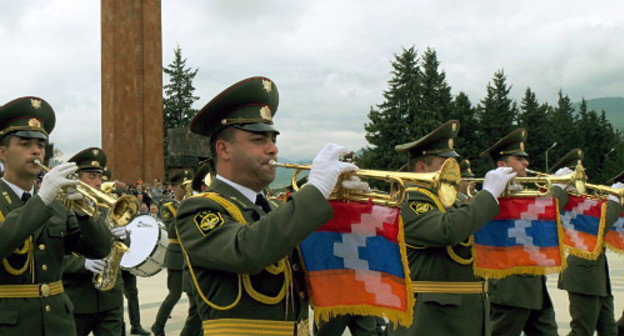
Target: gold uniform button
x=302, y=294
x=45, y=290
x=295, y=267
x=47, y=308
x=44, y=267
x=41, y=247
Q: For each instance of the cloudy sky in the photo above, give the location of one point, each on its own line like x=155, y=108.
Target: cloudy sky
x=330, y=59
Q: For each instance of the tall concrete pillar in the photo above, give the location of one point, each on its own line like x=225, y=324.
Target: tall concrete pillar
x=132, y=118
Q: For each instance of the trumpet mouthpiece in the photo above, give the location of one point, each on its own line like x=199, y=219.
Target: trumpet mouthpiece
x=274, y=163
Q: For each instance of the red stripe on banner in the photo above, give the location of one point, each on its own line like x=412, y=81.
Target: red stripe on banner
x=594, y=210
x=580, y=240
x=347, y=214
x=512, y=208
x=500, y=258
x=615, y=240
x=341, y=287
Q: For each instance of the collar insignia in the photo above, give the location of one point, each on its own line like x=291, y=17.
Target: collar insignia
x=36, y=103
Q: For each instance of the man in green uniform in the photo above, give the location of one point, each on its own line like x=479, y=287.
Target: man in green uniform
x=587, y=281
x=520, y=302
x=100, y=312
x=36, y=231
x=239, y=246
x=174, y=260
x=450, y=300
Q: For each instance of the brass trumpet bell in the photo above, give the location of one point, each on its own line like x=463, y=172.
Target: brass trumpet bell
x=444, y=182
x=602, y=190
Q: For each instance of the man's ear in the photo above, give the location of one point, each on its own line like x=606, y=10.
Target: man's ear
x=3, y=150
x=420, y=167
x=500, y=164
x=224, y=150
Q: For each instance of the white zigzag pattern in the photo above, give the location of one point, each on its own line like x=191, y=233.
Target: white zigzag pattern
x=569, y=216
x=518, y=231
x=348, y=250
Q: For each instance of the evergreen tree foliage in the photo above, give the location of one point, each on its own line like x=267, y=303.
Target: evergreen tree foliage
x=534, y=118
x=417, y=101
x=562, y=119
x=467, y=141
x=179, y=93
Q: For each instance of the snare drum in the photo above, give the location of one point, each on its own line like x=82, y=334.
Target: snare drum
x=148, y=244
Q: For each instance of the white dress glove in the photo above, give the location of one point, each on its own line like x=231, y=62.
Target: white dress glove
x=561, y=172
x=95, y=265
x=326, y=168
x=617, y=185
x=119, y=232
x=355, y=183
x=72, y=194
x=496, y=180
x=56, y=179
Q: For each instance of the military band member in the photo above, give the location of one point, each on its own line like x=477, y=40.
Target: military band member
x=100, y=312
x=587, y=281
x=174, y=260
x=520, y=302
x=36, y=231
x=240, y=246
x=450, y=300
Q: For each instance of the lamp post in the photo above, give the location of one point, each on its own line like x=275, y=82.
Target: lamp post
x=549, y=148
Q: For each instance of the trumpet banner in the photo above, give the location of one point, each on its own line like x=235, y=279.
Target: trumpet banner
x=615, y=237
x=524, y=238
x=357, y=264
x=583, y=221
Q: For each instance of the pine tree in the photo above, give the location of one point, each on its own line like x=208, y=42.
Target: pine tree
x=563, y=131
x=467, y=141
x=496, y=112
x=534, y=118
x=436, y=93
x=178, y=100
x=390, y=123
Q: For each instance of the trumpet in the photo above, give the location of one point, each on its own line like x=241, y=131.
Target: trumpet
x=542, y=181
x=445, y=182
x=604, y=190
x=122, y=210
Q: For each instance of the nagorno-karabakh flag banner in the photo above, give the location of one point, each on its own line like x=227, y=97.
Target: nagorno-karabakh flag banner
x=357, y=264
x=583, y=220
x=522, y=239
x=615, y=237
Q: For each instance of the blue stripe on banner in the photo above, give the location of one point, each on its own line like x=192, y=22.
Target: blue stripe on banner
x=321, y=249
x=582, y=223
x=506, y=233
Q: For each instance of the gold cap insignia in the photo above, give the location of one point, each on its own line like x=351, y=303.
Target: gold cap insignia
x=36, y=103
x=34, y=122
x=267, y=85
x=450, y=143
x=522, y=146
x=95, y=151
x=468, y=162
x=454, y=126
x=95, y=163
x=265, y=113
x=469, y=171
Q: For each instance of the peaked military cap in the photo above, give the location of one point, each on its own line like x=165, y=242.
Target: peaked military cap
x=511, y=144
x=248, y=105
x=439, y=142
x=27, y=117
x=200, y=175
x=180, y=177
x=570, y=160
x=90, y=159
x=464, y=167
x=107, y=175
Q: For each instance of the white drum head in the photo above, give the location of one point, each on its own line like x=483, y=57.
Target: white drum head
x=144, y=233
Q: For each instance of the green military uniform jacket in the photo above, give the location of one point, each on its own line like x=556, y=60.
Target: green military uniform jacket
x=524, y=291
x=221, y=249
x=174, y=259
x=55, y=231
x=591, y=277
x=428, y=233
x=78, y=282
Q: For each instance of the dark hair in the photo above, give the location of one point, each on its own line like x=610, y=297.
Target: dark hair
x=226, y=134
x=426, y=159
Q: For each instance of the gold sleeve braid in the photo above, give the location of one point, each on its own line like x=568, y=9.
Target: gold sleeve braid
x=449, y=249
x=283, y=266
